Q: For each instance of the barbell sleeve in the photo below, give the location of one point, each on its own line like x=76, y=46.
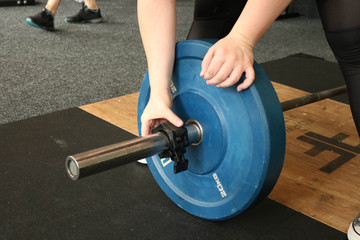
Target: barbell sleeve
x=98, y=160
x=314, y=97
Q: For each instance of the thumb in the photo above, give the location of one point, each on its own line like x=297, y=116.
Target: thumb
x=145, y=128
x=175, y=120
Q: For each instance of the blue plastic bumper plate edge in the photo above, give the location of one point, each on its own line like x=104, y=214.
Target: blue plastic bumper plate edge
x=241, y=155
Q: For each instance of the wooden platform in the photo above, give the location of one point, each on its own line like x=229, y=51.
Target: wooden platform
x=320, y=177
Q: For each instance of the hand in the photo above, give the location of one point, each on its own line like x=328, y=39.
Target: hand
x=158, y=110
x=227, y=60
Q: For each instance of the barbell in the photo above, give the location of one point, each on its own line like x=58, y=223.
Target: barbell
x=230, y=152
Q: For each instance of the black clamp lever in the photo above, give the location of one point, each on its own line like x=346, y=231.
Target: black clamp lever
x=178, y=141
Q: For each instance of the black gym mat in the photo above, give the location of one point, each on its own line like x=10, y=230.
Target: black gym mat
x=39, y=201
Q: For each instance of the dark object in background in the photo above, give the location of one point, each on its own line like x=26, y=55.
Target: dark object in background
x=4, y=3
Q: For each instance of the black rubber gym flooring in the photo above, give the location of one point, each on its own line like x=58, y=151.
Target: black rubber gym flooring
x=39, y=201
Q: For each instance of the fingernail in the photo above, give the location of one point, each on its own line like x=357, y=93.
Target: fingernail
x=178, y=123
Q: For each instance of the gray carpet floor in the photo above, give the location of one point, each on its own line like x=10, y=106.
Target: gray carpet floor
x=42, y=72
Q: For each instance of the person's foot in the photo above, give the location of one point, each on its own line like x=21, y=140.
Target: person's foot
x=43, y=20
x=354, y=229
x=86, y=15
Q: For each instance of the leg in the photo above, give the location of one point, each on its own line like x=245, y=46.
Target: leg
x=341, y=22
x=91, y=4
x=52, y=6
x=214, y=18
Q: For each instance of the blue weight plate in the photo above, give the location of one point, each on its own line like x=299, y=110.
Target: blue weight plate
x=241, y=155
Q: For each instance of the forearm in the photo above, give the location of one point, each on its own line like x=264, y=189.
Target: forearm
x=157, y=23
x=256, y=18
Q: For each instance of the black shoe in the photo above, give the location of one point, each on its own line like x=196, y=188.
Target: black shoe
x=85, y=15
x=43, y=20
